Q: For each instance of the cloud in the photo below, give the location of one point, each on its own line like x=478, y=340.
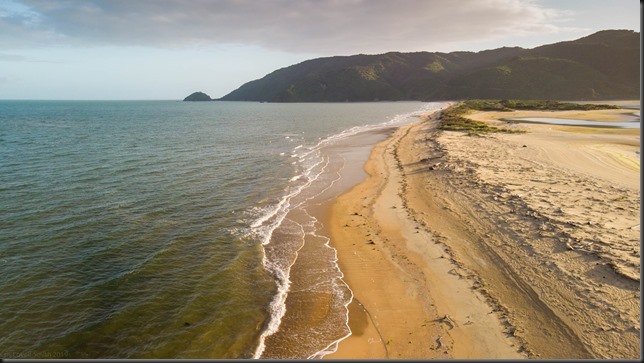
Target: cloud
x=12, y=58
x=4, y=80
x=301, y=26
x=7, y=57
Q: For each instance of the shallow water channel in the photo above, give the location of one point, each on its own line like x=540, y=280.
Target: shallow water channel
x=630, y=124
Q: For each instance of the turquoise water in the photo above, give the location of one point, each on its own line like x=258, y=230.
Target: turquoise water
x=157, y=229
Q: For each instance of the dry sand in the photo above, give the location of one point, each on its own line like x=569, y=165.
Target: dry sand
x=496, y=246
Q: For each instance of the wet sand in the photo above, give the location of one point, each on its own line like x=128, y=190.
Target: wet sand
x=499, y=246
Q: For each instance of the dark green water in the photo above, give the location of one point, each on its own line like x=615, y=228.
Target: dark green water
x=156, y=229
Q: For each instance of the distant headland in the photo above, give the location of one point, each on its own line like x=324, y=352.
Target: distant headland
x=604, y=65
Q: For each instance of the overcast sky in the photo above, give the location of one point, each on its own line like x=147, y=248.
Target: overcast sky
x=166, y=49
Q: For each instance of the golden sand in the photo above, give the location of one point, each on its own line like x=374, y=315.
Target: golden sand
x=494, y=246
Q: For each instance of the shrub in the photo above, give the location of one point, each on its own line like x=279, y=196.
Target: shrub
x=453, y=119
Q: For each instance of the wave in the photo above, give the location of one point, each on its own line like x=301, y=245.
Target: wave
x=312, y=165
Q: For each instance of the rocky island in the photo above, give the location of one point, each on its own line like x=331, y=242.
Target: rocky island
x=198, y=96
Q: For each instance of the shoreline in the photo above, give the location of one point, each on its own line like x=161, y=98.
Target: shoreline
x=483, y=238
x=310, y=310
x=389, y=284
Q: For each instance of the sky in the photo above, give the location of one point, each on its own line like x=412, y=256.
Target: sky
x=167, y=49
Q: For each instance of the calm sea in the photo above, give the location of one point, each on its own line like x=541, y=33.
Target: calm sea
x=163, y=229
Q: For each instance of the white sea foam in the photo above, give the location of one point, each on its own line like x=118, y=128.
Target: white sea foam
x=278, y=304
x=396, y=121
x=276, y=215
x=313, y=164
x=333, y=346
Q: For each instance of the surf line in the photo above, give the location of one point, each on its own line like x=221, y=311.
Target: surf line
x=280, y=211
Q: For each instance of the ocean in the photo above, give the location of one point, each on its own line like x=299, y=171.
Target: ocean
x=166, y=229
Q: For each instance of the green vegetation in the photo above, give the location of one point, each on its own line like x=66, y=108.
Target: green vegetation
x=435, y=67
x=453, y=119
x=602, y=66
x=198, y=96
x=505, y=70
x=552, y=105
x=368, y=73
x=291, y=90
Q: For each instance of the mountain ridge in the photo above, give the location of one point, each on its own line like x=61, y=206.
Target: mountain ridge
x=602, y=65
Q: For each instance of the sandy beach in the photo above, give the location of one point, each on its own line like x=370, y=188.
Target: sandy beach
x=495, y=246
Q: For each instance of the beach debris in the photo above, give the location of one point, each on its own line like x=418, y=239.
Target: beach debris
x=579, y=245
x=447, y=320
x=436, y=166
x=453, y=272
x=533, y=214
x=512, y=331
x=439, y=343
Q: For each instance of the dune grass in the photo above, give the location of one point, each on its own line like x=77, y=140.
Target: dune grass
x=453, y=118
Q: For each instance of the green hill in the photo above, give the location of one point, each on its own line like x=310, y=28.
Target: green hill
x=604, y=65
x=198, y=96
